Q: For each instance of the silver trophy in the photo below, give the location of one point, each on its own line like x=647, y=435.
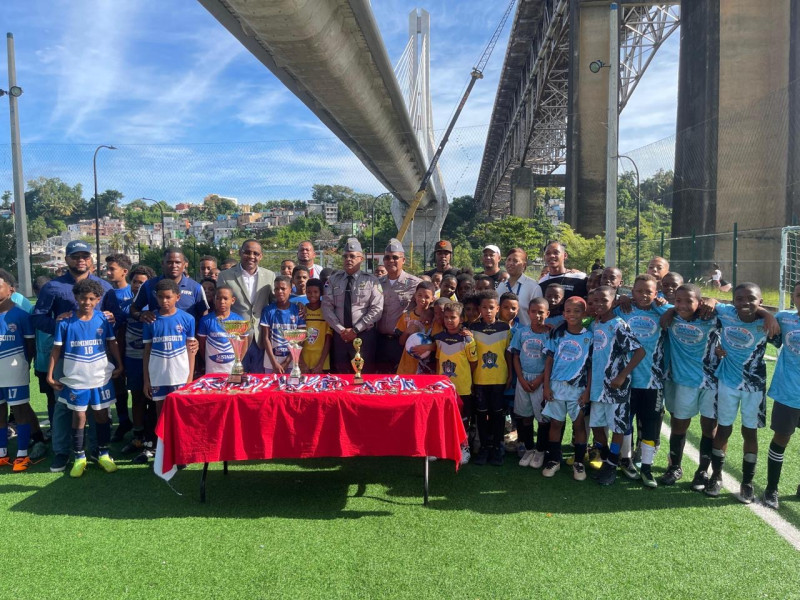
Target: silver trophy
x=295, y=337
x=237, y=332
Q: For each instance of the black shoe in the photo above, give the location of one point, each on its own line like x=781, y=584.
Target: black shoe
x=496, y=458
x=135, y=445
x=672, y=475
x=770, y=499
x=647, y=477
x=123, y=428
x=481, y=458
x=746, y=493
x=700, y=481
x=713, y=487
x=607, y=474
x=626, y=464
x=59, y=463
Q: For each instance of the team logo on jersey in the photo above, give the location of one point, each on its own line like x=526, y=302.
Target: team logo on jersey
x=792, y=341
x=489, y=360
x=643, y=327
x=570, y=350
x=738, y=337
x=449, y=368
x=12, y=327
x=532, y=347
x=688, y=333
x=312, y=333
x=179, y=328
x=100, y=331
x=600, y=339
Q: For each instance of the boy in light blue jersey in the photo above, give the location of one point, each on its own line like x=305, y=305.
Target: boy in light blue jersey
x=742, y=375
x=785, y=391
x=215, y=345
x=527, y=349
x=647, y=379
x=566, y=383
x=86, y=340
x=554, y=294
x=615, y=353
x=276, y=318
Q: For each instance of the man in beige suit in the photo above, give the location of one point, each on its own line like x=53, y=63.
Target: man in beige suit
x=252, y=286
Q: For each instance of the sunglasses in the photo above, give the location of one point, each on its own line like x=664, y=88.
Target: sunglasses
x=388, y=257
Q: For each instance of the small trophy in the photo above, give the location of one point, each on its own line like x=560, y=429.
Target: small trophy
x=357, y=362
x=237, y=332
x=295, y=337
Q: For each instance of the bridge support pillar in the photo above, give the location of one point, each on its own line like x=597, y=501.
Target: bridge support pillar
x=425, y=230
x=522, y=196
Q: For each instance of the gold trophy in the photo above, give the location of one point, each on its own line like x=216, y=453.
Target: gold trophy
x=237, y=332
x=357, y=362
x=295, y=337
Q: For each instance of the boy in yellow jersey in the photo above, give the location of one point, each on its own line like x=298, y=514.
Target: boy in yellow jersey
x=317, y=347
x=490, y=377
x=416, y=319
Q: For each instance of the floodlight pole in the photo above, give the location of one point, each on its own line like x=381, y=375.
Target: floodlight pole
x=612, y=139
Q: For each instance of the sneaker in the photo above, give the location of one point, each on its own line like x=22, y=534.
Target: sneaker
x=637, y=457
x=627, y=467
x=107, y=463
x=59, y=463
x=595, y=462
x=578, y=471
x=551, y=468
x=465, y=455
x=38, y=450
x=22, y=464
x=78, y=467
x=607, y=475
x=135, y=445
x=538, y=459
x=496, y=457
x=700, y=481
x=647, y=478
x=5, y=461
x=481, y=458
x=746, y=493
x=123, y=428
x=673, y=475
x=713, y=487
x=770, y=499
x=143, y=457
x=526, y=459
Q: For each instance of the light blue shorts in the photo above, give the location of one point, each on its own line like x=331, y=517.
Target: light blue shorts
x=754, y=407
x=79, y=400
x=529, y=404
x=15, y=395
x=614, y=415
x=564, y=402
x=685, y=402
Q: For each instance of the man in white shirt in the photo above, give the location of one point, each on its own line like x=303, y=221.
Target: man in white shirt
x=520, y=284
x=305, y=258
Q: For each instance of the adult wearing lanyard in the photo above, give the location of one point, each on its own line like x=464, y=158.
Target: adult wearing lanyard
x=520, y=284
x=305, y=258
x=398, y=291
x=491, y=264
x=573, y=282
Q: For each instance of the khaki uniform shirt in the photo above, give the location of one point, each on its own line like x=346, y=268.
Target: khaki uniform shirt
x=396, y=300
x=366, y=301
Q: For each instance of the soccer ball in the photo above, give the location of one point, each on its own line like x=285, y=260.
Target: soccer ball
x=418, y=339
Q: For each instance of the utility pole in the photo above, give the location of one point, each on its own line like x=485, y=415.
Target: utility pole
x=20, y=220
x=612, y=139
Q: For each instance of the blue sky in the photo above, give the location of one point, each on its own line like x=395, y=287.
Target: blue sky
x=192, y=112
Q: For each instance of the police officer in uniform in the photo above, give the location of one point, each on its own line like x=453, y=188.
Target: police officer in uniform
x=398, y=291
x=352, y=304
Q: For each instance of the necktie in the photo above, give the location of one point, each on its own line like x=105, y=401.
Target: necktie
x=348, y=303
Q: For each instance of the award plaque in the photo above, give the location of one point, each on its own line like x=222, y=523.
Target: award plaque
x=357, y=362
x=295, y=337
x=237, y=332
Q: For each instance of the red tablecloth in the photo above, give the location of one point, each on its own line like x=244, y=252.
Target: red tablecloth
x=200, y=427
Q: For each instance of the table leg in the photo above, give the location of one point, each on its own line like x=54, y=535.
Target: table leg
x=427, y=468
x=225, y=467
x=203, y=483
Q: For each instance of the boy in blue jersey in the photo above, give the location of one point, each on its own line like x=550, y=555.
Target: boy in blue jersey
x=647, y=379
x=615, y=354
x=16, y=350
x=300, y=276
x=527, y=349
x=566, y=382
x=117, y=268
x=168, y=363
x=742, y=375
x=275, y=319
x=554, y=294
x=785, y=391
x=191, y=298
x=214, y=344
x=86, y=340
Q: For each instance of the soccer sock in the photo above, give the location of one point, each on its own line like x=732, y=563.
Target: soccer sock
x=543, y=437
x=706, y=446
x=23, y=439
x=103, y=437
x=77, y=442
x=554, y=451
x=482, y=419
x=613, y=453
x=3, y=441
x=580, y=452
x=603, y=450
x=717, y=462
x=676, y=443
x=648, y=452
x=525, y=432
x=497, y=422
x=774, y=464
x=749, y=467
x=625, y=449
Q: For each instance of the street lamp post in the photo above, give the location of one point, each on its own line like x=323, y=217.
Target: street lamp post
x=97, y=204
x=638, y=206
x=163, y=231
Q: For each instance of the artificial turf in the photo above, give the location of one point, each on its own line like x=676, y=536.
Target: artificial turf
x=356, y=528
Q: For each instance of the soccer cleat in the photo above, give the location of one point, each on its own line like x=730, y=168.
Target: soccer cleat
x=526, y=459
x=746, y=493
x=673, y=475
x=482, y=457
x=135, y=445
x=39, y=450
x=595, y=462
x=106, y=463
x=119, y=433
x=538, y=459
x=770, y=499
x=5, y=461
x=607, y=475
x=713, y=487
x=22, y=464
x=578, y=471
x=78, y=467
x=59, y=463
x=647, y=477
x=551, y=468
x=465, y=455
x=496, y=457
x=627, y=467
x=700, y=481
x=143, y=457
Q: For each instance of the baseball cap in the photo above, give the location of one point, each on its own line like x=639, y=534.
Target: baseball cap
x=493, y=248
x=76, y=246
x=443, y=245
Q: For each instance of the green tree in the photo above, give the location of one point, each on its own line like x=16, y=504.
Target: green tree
x=8, y=245
x=6, y=197
x=109, y=202
x=38, y=230
x=581, y=251
x=51, y=198
x=139, y=212
x=214, y=206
